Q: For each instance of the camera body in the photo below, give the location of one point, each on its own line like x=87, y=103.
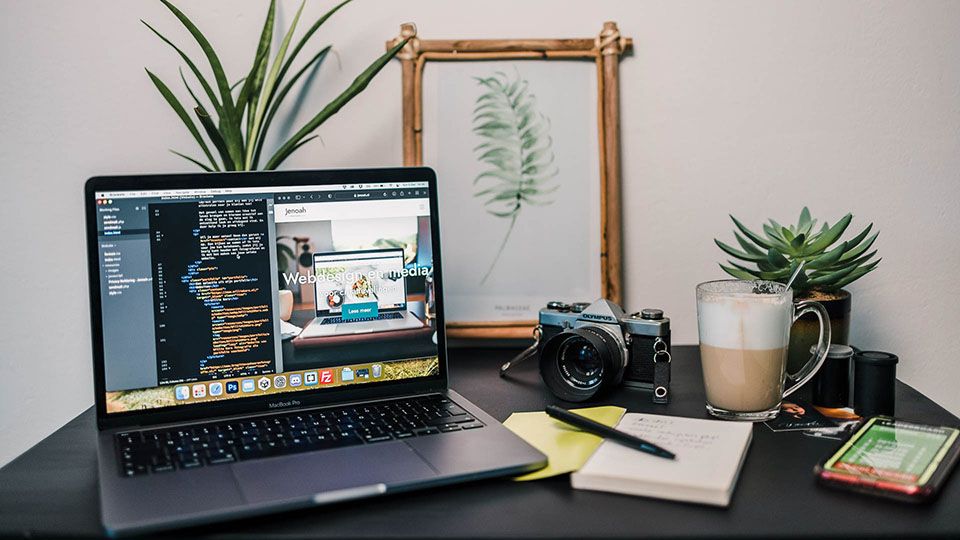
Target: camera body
x=586, y=349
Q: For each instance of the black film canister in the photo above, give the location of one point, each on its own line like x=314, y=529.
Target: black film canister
x=874, y=383
x=831, y=384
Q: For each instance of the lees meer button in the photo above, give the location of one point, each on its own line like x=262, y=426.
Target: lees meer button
x=360, y=310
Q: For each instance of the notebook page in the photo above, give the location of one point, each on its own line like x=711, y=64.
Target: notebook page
x=708, y=452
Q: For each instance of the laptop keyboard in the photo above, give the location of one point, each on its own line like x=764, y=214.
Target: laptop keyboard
x=215, y=443
x=381, y=317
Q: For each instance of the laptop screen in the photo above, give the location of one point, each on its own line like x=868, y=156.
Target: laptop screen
x=360, y=284
x=205, y=292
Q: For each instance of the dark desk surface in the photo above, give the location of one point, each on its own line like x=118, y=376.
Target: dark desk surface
x=51, y=489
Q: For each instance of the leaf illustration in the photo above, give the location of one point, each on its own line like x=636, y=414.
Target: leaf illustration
x=517, y=149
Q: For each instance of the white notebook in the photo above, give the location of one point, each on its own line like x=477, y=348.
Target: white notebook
x=709, y=454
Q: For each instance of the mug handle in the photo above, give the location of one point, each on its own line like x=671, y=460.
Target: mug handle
x=823, y=344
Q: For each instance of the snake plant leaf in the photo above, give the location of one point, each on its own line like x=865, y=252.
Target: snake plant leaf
x=355, y=88
x=739, y=254
x=303, y=41
x=215, y=137
x=268, y=85
x=211, y=95
x=192, y=160
x=182, y=113
x=828, y=237
x=756, y=238
x=739, y=274
x=229, y=121
x=274, y=98
x=303, y=142
x=208, y=126
x=315, y=61
x=254, y=80
x=236, y=84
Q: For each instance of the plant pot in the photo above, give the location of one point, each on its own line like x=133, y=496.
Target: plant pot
x=807, y=329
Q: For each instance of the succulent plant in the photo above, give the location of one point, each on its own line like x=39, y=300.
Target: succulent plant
x=778, y=252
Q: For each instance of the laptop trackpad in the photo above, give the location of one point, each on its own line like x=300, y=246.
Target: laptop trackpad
x=306, y=475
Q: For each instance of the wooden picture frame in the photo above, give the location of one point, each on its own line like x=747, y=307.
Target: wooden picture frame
x=605, y=51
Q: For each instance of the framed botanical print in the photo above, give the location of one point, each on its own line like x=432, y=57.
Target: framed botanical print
x=524, y=136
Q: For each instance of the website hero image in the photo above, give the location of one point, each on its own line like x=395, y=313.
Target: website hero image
x=225, y=293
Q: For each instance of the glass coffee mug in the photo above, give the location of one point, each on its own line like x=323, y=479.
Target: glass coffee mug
x=744, y=336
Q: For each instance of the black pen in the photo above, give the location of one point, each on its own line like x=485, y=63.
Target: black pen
x=606, y=432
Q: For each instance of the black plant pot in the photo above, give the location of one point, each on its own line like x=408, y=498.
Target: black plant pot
x=806, y=330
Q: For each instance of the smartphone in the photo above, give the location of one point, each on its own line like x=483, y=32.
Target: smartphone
x=893, y=458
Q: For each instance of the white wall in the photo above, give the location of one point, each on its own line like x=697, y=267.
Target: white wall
x=749, y=107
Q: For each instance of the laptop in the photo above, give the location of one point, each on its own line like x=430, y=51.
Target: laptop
x=360, y=291
x=204, y=413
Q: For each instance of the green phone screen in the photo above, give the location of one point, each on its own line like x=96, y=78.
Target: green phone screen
x=894, y=451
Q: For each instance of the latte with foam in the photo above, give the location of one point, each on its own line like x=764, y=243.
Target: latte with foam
x=744, y=336
x=743, y=348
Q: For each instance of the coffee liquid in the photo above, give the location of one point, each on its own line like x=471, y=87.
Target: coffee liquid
x=743, y=380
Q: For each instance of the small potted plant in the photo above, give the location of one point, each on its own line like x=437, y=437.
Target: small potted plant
x=830, y=265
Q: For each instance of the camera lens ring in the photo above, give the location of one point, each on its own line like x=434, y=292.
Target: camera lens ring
x=580, y=363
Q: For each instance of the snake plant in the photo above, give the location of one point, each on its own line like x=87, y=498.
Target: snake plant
x=236, y=123
x=515, y=147
x=828, y=266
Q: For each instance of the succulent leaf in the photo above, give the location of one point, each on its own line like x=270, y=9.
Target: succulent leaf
x=859, y=238
x=752, y=272
x=830, y=235
x=776, y=258
x=739, y=254
x=855, y=252
x=756, y=238
x=828, y=258
x=747, y=246
x=831, y=277
x=828, y=266
x=798, y=240
x=739, y=274
x=859, y=273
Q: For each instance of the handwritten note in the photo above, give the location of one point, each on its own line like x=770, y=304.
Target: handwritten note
x=709, y=456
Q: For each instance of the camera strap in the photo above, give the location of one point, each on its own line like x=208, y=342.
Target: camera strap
x=529, y=352
x=661, y=372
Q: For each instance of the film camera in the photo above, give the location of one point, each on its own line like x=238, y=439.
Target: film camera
x=587, y=349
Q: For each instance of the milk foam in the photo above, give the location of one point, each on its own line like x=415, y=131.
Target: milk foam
x=745, y=323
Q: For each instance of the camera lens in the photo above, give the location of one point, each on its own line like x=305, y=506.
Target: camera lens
x=579, y=363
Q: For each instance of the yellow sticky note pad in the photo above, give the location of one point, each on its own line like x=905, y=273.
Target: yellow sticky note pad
x=566, y=447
